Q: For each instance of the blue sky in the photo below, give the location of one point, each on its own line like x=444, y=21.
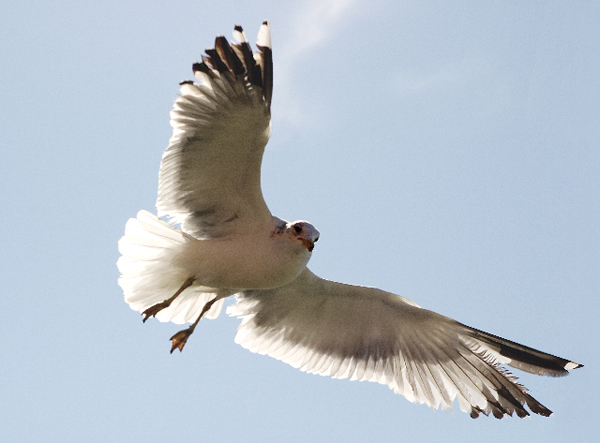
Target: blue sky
x=446, y=151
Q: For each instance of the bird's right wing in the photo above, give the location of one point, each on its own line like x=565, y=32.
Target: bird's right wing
x=209, y=178
x=360, y=333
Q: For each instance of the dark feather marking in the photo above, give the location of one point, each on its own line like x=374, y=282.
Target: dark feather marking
x=232, y=218
x=266, y=66
x=505, y=382
x=257, y=75
x=238, y=60
x=208, y=62
x=244, y=52
x=490, y=372
x=228, y=56
x=523, y=357
x=504, y=392
x=536, y=406
x=205, y=212
x=216, y=61
x=201, y=67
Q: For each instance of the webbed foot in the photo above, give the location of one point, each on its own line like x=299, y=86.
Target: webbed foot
x=179, y=340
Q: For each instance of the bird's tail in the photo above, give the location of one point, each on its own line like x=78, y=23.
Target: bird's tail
x=149, y=276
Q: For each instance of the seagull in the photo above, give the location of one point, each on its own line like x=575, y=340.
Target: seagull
x=229, y=243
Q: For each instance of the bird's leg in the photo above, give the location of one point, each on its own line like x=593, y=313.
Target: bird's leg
x=155, y=309
x=181, y=337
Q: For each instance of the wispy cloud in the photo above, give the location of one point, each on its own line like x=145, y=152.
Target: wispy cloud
x=312, y=24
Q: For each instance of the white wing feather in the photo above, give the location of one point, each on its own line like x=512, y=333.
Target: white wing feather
x=361, y=333
x=209, y=178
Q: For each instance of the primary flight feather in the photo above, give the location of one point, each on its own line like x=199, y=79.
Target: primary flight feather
x=229, y=243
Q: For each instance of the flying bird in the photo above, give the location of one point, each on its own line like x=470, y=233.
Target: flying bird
x=229, y=243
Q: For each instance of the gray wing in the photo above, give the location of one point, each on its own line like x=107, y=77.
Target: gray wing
x=360, y=333
x=209, y=178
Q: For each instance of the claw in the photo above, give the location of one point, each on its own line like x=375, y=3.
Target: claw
x=155, y=309
x=180, y=339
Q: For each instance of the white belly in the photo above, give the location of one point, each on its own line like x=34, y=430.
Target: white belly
x=243, y=262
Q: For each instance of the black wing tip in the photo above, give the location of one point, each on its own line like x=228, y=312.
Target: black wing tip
x=266, y=61
x=499, y=412
x=199, y=66
x=238, y=60
x=526, y=358
x=215, y=60
x=537, y=407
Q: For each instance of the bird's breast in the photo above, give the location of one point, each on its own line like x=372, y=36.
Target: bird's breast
x=243, y=262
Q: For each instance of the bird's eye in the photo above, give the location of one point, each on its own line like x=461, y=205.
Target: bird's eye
x=298, y=229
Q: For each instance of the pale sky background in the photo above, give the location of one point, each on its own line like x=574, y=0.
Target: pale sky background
x=447, y=151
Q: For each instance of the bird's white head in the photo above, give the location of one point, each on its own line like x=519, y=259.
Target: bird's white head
x=301, y=232
x=304, y=232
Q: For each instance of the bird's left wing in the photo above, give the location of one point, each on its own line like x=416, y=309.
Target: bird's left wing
x=361, y=333
x=209, y=178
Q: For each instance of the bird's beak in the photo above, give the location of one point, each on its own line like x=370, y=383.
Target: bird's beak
x=307, y=244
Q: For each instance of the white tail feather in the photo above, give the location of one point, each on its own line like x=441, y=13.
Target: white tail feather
x=148, y=275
